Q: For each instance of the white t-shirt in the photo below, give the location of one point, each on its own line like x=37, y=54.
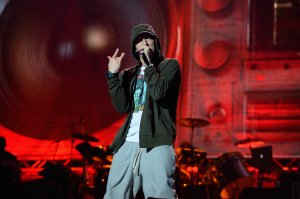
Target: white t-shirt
x=139, y=102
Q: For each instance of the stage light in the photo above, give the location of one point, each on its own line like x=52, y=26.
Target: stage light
x=97, y=38
x=65, y=50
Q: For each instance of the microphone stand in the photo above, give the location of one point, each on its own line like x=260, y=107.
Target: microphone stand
x=85, y=177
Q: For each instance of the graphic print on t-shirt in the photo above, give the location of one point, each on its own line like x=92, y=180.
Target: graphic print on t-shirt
x=140, y=93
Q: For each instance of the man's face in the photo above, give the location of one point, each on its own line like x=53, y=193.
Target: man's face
x=144, y=41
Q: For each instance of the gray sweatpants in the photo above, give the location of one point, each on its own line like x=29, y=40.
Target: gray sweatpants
x=134, y=168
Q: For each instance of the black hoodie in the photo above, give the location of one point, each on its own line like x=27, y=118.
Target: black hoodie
x=158, y=122
x=142, y=29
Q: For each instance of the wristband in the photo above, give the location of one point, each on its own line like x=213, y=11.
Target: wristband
x=110, y=75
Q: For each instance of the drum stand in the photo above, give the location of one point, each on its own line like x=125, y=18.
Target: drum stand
x=84, y=182
x=260, y=178
x=193, y=123
x=85, y=149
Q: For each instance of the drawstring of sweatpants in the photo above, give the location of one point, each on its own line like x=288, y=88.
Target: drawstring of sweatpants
x=136, y=162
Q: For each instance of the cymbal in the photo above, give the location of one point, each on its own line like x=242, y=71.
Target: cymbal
x=85, y=137
x=187, y=149
x=249, y=142
x=193, y=122
x=94, y=153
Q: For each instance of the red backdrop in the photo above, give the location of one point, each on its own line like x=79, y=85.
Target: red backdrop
x=53, y=60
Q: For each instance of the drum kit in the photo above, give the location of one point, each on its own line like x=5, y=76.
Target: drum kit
x=199, y=177
x=90, y=183
x=196, y=175
x=96, y=165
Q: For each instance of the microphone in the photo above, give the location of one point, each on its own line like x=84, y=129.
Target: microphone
x=142, y=53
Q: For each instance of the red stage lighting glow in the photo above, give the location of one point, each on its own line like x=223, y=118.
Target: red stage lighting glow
x=249, y=143
x=260, y=77
x=212, y=5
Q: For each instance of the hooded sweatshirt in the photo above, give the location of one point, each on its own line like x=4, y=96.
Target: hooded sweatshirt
x=163, y=79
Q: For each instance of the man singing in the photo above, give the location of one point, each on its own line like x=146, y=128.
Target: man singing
x=148, y=92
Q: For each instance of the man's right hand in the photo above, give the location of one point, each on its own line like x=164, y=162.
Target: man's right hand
x=114, y=62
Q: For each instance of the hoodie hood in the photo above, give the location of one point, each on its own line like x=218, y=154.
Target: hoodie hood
x=145, y=28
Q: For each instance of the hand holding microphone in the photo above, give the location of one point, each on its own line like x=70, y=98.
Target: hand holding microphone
x=144, y=55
